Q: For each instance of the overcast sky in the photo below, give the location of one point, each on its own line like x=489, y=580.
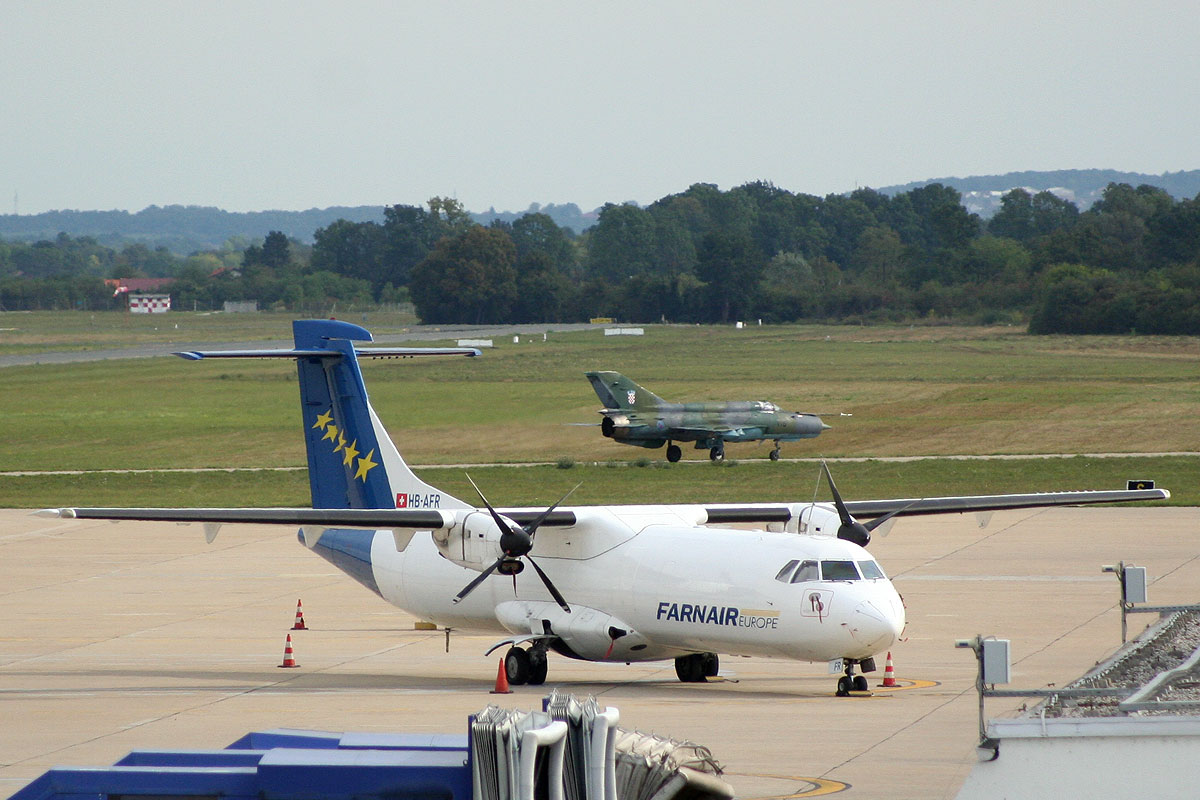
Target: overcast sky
x=290, y=105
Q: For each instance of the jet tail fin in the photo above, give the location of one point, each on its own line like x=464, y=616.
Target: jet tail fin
x=352, y=462
x=618, y=392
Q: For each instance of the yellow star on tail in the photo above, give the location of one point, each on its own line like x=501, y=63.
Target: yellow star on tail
x=331, y=432
x=341, y=442
x=324, y=419
x=351, y=451
x=365, y=465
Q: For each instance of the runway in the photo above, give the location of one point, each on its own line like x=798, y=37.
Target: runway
x=139, y=635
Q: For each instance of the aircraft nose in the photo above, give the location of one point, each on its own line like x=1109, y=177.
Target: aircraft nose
x=809, y=424
x=875, y=625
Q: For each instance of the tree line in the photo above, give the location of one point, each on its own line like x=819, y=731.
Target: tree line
x=1129, y=263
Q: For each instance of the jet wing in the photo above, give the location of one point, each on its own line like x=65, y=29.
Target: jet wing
x=705, y=431
x=780, y=512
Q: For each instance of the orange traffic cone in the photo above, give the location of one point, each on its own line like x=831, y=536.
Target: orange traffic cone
x=501, y=681
x=889, y=673
x=289, y=660
x=299, y=626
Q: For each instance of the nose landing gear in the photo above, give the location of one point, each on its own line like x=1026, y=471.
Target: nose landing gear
x=774, y=454
x=854, y=683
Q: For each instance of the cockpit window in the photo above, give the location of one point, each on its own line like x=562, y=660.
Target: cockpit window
x=808, y=572
x=870, y=570
x=786, y=572
x=839, y=571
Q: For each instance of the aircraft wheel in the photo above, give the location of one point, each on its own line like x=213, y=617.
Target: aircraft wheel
x=860, y=683
x=717, y=454
x=845, y=684
x=775, y=454
x=690, y=669
x=711, y=664
x=674, y=453
x=538, y=666
x=516, y=666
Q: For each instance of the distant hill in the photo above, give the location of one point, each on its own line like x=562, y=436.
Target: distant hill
x=186, y=229
x=181, y=229
x=982, y=193
x=564, y=216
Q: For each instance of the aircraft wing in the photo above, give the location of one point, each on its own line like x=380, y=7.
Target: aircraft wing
x=781, y=512
x=327, y=517
x=704, y=431
x=370, y=518
x=717, y=514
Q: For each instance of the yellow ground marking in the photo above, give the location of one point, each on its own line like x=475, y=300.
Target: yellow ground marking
x=906, y=684
x=816, y=787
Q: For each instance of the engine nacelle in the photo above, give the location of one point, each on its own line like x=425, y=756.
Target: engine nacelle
x=586, y=632
x=472, y=542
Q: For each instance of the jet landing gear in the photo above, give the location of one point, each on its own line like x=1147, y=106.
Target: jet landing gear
x=698, y=667
x=717, y=453
x=523, y=666
x=854, y=683
x=673, y=453
x=774, y=454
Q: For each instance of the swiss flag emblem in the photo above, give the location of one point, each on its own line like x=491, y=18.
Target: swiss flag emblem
x=401, y=500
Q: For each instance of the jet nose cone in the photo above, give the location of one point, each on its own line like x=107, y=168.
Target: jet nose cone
x=808, y=424
x=875, y=625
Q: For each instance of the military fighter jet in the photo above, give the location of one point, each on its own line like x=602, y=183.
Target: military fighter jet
x=635, y=415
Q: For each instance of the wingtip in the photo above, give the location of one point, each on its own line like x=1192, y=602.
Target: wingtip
x=56, y=513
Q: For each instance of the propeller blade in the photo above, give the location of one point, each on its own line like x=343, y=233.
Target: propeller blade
x=532, y=527
x=470, y=587
x=851, y=529
x=837, y=498
x=875, y=523
x=558, y=598
x=515, y=542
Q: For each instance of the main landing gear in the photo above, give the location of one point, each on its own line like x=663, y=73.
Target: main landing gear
x=673, y=453
x=854, y=683
x=697, y=667
x=523, y=666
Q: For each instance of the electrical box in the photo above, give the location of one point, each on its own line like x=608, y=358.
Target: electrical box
x=994, y=660
x=1134, y=584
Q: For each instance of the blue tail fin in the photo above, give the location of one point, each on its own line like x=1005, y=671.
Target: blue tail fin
x=345, y=469
x=352, y=462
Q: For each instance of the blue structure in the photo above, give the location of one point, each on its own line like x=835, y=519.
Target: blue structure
x=278, y=765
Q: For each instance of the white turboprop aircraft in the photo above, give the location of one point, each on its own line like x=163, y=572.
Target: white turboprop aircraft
x=643, y=582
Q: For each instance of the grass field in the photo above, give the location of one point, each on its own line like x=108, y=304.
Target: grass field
x=911, y=391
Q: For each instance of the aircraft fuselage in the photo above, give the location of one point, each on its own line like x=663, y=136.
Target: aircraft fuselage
x=665, y=589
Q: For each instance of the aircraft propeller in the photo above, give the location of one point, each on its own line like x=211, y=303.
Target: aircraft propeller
x=515, y=542
x=851, y=529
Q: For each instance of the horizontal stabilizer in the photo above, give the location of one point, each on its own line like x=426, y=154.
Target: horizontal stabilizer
x=366, y=352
